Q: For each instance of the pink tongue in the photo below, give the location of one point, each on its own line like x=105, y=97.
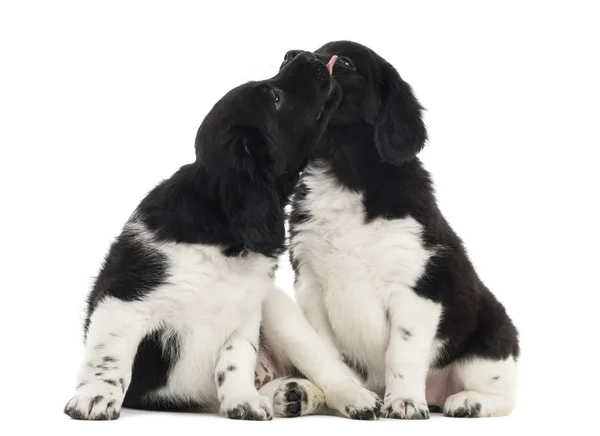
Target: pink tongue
x=331, y=63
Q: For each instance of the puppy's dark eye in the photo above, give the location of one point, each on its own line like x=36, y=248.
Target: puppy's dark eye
x=276, y=98
x=346, y=62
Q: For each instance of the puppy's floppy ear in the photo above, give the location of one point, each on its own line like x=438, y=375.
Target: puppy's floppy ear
x=245, y=185
x=399, y=129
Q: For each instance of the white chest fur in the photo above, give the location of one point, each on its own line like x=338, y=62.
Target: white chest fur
x=355, y=266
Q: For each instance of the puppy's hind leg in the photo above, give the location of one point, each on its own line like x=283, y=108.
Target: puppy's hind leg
x=488, y=388
x=115, y=331
x=293, y=396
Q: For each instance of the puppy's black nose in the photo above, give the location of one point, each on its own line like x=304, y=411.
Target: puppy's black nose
x=291, y=55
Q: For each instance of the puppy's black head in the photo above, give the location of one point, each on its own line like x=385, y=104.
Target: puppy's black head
x=255, y=141
x=265, y=127
x=373, y=93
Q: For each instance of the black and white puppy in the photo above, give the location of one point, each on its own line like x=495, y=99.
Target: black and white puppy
x=380, y=273
x=174, y=316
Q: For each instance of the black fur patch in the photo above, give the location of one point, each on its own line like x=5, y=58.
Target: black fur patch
x=156, y=355
x=231, y=368
x=130, y=271
x=220, y=378
x=406, y=334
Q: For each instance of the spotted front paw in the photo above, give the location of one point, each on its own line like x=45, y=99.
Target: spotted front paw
x=92, y=408
x=405, y=408
x=254, y=408
x=97, y=401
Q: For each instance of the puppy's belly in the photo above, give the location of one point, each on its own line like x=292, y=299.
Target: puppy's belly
x=440, y=386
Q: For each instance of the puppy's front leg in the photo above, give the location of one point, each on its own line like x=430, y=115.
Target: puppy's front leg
x=234, y=375
x=291, y=337
x=115, y=331
x=413, y=323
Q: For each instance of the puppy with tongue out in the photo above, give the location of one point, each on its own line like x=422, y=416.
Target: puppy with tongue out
x=331, y=63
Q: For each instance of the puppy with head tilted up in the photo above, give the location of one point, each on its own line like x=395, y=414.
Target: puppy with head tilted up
x=380, y=273
x=174, y=316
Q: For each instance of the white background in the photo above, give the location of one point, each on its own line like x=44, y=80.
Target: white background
x=101, y=100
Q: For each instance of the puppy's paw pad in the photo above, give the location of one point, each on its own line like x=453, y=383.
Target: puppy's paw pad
x=255, y=408
x=92, y=408
x=297, y=397
x=463, y=405
x=406, y=408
